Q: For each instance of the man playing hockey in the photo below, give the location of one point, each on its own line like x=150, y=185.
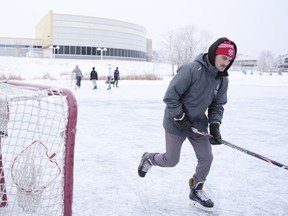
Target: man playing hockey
x=199, y=87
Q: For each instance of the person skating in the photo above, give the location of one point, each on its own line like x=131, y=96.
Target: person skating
x=110, y=77
x=94, y=77
x=78, y=75
x=199, y=87
x=116, y=77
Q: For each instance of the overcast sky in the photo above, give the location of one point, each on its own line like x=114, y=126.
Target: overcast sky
x=254, y=25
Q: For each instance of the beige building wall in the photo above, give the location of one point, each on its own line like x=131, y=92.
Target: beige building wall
x=44, y=30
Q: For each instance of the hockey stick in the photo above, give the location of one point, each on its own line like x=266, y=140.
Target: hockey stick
x=195, y=130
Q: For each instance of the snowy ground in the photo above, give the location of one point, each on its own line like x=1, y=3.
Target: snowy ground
x=115, y=128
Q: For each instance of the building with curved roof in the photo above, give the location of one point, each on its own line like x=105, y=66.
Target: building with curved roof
x=74, y=36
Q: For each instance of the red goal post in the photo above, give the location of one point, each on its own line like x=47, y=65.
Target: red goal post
x=37, y=140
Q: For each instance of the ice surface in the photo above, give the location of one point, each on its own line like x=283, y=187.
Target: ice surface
x=115, y=128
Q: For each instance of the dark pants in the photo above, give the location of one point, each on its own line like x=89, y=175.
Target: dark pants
x=115, y=81
x=78, y=81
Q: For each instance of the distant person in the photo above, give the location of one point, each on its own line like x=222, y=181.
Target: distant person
x=116, y=77
x=110, y=77
x=78, y=75
x=94, y=77
x=195, y=98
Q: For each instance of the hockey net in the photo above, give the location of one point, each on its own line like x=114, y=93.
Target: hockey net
x=37, y=137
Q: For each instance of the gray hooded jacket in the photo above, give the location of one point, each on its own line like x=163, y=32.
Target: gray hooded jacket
x=197, y=90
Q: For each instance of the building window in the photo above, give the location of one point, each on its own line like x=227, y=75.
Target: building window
x=72, y=50
x=77, y=50
x=21, y=50
x=83, y=52
x=59, y=51
x=66, y=50
x=94, y=52
x=88, y=50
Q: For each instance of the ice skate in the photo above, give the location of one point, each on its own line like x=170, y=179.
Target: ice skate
x=145, y=164
x=198, y=197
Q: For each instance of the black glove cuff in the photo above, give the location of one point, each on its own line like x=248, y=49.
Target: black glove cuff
x=214, y=125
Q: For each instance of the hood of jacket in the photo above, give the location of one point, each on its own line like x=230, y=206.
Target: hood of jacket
x=212, y=54
x=203, y=60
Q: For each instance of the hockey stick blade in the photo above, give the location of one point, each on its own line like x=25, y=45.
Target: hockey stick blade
x=195, y=130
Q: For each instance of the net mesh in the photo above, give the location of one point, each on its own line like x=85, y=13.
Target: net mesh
x=33, y=170
x=33, y=124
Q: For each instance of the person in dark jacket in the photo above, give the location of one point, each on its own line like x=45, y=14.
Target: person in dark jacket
x=116, y=77
x=199, y=87
x=94, y=77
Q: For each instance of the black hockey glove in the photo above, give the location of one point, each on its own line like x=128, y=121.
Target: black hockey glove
x=215, y=132
x=183, y=123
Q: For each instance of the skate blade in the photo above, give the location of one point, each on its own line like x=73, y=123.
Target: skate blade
x=197, y=205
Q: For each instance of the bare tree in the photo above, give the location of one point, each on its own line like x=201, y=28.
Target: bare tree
x=167, y=53
x=266, y=61
x=183, y=45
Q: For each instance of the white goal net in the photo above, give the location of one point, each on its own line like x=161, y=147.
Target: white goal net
x=37, y=138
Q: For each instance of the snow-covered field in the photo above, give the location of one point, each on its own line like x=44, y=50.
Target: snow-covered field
x=33, y=68
x=115, y=128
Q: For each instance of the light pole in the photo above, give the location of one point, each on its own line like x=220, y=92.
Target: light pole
x=101, y=54
x=54, y=50
x=31, y=51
